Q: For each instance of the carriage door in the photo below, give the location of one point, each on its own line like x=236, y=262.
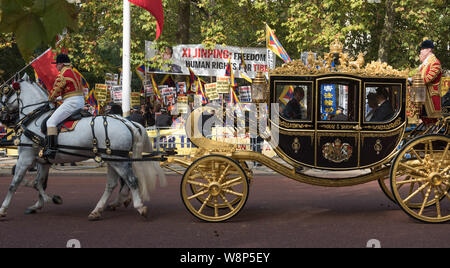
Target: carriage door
x=338, y=123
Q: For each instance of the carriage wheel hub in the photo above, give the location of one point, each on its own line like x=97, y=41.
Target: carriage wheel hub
x=436, y=179
x=214, y=189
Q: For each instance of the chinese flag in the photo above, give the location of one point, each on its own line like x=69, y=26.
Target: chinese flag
x=46, y=71
x=155, y=7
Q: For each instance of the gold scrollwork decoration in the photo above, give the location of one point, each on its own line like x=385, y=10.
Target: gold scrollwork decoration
x=394, y=124
x=295, y=125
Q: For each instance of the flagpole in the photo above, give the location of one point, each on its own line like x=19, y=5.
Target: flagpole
x=126, y=84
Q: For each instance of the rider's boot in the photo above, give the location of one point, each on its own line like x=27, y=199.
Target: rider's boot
x=52, y=140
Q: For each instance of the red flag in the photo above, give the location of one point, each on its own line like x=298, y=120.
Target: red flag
x=156, y=8
x=46, y=71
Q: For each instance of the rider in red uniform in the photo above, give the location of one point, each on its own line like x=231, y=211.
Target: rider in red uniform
x=68, y=85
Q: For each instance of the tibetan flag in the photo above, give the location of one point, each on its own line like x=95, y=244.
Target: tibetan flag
x=229, y=69
x=192, y=80
x=229, y=72
x=45, y=70
x=245, y=76
x=155, y=87
x=140, y=70
x=168, y=80
x=275, y=45
x=234, y=100
x=287, y=95
x=243, y=71
x=155, y=7
x=84, y=83
x=39, y=81
x=92, y=101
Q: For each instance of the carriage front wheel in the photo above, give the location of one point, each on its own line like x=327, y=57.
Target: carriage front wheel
x=420, y=174
x=214, y=188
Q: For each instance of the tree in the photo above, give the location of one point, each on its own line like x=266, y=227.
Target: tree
x=36, y=23
x=386, y=29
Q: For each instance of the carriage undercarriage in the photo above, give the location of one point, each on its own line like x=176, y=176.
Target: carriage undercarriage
x=216, y=183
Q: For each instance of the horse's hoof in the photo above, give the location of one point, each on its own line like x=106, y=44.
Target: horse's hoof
x=3, y=214
x=95, y=216
x=143, y=211
x=30, y=211
x=127, y=202
x=57, y=200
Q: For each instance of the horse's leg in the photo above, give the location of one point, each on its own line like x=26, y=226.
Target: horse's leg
x=123, y=197
x=111, y=184
x=40, y=184
x=125, y=171
x=24, y=162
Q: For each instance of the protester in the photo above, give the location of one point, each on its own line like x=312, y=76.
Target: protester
x=137, y=116
x=164, y=119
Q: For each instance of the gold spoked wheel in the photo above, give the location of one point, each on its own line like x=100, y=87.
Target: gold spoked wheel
x=386, y=190
x=214, y=188
x=420, y=178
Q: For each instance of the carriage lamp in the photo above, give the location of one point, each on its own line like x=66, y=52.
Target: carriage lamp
x=419, y=89
x=419, y=93
x=259, y=88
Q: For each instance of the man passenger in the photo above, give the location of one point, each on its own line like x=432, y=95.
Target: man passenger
x=384, y=112
x=293, y=109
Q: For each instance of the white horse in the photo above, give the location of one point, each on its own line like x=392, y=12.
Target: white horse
x=139, y=177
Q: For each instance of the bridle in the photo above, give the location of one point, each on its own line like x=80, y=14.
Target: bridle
x=8, y=116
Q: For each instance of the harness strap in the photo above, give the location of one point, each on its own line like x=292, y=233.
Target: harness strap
x=107, y=141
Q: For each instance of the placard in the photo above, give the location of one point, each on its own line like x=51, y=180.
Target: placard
x=135, y=99
x=101, y=92
x=245, y=94
x=211, y=91
x=223, y=85
x=116, y=94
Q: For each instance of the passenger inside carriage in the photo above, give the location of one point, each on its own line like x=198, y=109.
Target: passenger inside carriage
x=293, y=110
x=384, y=111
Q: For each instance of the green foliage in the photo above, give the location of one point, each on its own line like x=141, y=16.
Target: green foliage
x=95, y=41
x=36, y=23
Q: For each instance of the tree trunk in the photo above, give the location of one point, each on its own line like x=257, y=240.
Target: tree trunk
x=184, y=21
x=386, y=33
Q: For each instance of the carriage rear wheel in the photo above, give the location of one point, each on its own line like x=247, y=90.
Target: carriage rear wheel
x=214, y=188
x=420, y=178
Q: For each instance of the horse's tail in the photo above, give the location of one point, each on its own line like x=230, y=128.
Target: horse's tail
x=146, y=172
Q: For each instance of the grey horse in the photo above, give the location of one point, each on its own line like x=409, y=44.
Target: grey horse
x=139, y=177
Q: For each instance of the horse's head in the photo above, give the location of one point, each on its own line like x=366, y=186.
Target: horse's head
x=9, y=112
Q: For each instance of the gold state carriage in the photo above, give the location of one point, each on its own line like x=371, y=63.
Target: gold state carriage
x=334, y=133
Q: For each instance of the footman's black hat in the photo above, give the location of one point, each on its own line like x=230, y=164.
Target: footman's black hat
x=427, y=44
x=62, y=58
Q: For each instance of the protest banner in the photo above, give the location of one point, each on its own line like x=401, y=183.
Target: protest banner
x=212, y=62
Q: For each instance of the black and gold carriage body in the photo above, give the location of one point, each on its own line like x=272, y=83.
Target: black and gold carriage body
x=348, y=143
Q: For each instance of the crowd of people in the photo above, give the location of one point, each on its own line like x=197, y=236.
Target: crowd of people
x=148, y=115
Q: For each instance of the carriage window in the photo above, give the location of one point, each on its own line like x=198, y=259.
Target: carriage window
x=338, y=101
x=295, y=99
x=382, y=102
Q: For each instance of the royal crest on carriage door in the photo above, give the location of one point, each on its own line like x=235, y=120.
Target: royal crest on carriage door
x=337, y=152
